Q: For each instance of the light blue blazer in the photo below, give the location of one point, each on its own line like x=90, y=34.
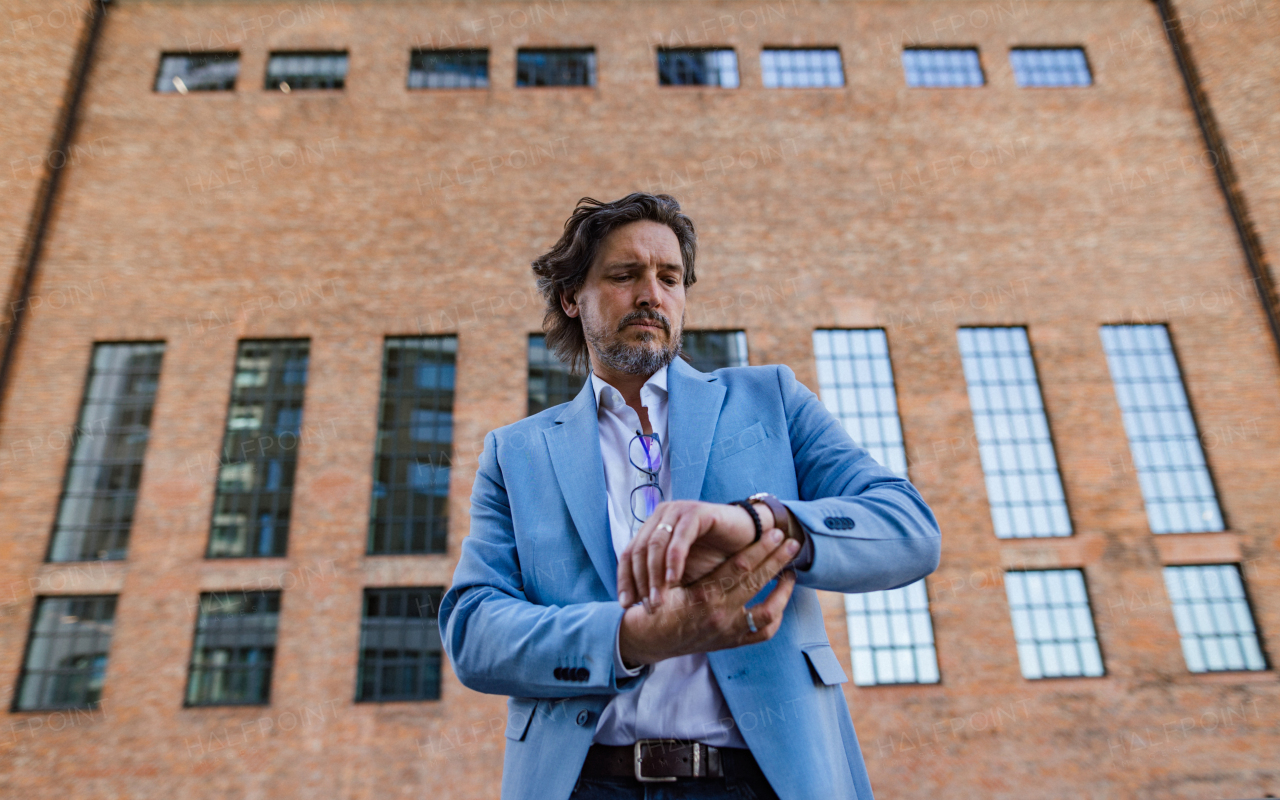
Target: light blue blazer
x=532, y=612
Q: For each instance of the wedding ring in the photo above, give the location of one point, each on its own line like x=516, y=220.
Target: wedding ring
x=668, y=528
x=751, y=623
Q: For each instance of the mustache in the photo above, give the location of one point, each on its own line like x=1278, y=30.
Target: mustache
x=643, y=314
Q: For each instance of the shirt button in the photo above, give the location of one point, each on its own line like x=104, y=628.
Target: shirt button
x=584, y=717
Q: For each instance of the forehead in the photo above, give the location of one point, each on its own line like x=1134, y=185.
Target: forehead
x=643, y=241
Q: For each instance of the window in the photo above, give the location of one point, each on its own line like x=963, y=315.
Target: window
x=1213, y=618
x=1018, y=460
x=289, y=71
x=66, y=653
x=550, y=382
x=801, y=68
x=414, y=446
x=890, y=632
x=1163, y=440
x=197, y=72
x=400, y=645
x=939, y=66
x=856, y=380
x=712, y=350
x=695, y=67
x=449, y=69
x=1050, y=66
x=1053, y=624
x=891, y=636
x=95, y=511
x=556, y=67
x=234, y=649
x=260, y=450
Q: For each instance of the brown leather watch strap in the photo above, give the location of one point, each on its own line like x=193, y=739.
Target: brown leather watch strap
x=781, y=517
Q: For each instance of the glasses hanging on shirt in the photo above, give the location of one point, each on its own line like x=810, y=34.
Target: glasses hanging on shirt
x=645, y=452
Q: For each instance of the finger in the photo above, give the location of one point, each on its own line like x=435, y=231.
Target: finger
x=741, y=564
x=754, y=579
x=627, y=593
x=639, y=566
x=682, y=538
x=656, y=557
x=768, y=613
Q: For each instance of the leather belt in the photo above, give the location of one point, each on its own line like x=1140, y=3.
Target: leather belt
x=650, y=760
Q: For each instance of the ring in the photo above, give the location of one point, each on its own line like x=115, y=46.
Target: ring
x=668, y=527
x=751, y=623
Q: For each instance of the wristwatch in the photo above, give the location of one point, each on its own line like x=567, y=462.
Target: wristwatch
x=781, y=517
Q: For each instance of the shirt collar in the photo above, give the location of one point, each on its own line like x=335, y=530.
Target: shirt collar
x=657, y=383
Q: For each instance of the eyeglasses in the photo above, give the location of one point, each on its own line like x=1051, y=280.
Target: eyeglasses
x=645, y=452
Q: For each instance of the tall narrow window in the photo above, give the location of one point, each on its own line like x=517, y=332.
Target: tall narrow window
x=1213, y=618
x=449, y=69
x=260, y=450
x=942, y=66
x=712, y=350
x=1172, y=472
x=234, y=649
x=550, y=382
x=197, y=72
x=400, y=645
x=801, y=68
x=289, y=71
x=697, y=67
x=556, y=67
x=1053, y=624
x=66, y=653
x=414, y=447
x=1021, y=469
x=95, y=512
x=890, y=632
x=1050, y=66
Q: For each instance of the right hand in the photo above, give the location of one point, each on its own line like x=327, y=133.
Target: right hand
x=708, y=615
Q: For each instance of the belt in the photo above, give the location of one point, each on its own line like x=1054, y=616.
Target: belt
x=666, y=760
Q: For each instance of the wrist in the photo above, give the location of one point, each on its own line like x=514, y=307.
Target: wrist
x=774, y=514
x=632, y=647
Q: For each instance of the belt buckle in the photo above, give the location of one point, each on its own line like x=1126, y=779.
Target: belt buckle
x=639, y=761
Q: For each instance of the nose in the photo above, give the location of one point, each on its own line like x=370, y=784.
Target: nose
x=649, y=291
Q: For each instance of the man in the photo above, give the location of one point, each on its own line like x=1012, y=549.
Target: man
x=655, y=639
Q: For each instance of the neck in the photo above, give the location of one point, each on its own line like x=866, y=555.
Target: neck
x=629, y=386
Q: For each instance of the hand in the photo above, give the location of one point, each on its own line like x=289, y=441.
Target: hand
x=709, y=615
x=681, y=542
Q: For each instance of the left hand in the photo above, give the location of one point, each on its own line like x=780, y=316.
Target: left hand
x=682, y=541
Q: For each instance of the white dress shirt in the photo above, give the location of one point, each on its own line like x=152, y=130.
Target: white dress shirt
x=680, y=699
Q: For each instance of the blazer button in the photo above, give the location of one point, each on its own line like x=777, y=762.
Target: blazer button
x=584, y=717
x=559, y=673
x=581, y=674
x=838, y=523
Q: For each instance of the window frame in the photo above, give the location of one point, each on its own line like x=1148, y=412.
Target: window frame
x=195, y=638
x=593, y=66
x=267, y=85
x=737, y=68
x=436, y=593
x=155, y=83
x=1088, y=66
x=977, y=52
x=14, y=707
x=417, y=51
x=835, y=48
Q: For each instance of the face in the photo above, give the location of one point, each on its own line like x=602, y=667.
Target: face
x=632, y=301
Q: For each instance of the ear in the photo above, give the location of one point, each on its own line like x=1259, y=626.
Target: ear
x=569, y=303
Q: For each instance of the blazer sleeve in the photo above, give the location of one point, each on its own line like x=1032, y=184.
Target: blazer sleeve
x=501, y=643
x=870, y=529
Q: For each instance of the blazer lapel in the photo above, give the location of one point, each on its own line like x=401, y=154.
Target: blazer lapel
x=693, y=407
x=574, y=444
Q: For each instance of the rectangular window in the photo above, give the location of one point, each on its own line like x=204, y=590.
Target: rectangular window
x=550, y=382
x=1053, y=624
x=66, y=653
x=556, y=67
x=942, y=66
x=856, y=381
x=891, y=636
x=697, y=67
x=289, y=71
x=1213, y=618
x=260, y=450
x=712, y=350
x=198, y=72
x=800, y=68
x=95, y=511
x=1050, y=66
x=1176, y=486
x=890, y=632
x=1024, y=488
x=234, y=649
x=414, y=446
x=449, y=69
x=400, y=645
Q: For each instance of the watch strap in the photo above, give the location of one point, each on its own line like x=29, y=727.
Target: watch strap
x=781, y=518
x=755, y=517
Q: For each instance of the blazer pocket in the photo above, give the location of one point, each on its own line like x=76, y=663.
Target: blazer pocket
x=519, y=715
x=823, y=661
x=744, y=439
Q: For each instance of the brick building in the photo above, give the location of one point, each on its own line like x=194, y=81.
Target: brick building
x=280, y=292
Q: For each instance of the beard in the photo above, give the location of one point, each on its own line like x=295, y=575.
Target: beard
x=632, y=359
